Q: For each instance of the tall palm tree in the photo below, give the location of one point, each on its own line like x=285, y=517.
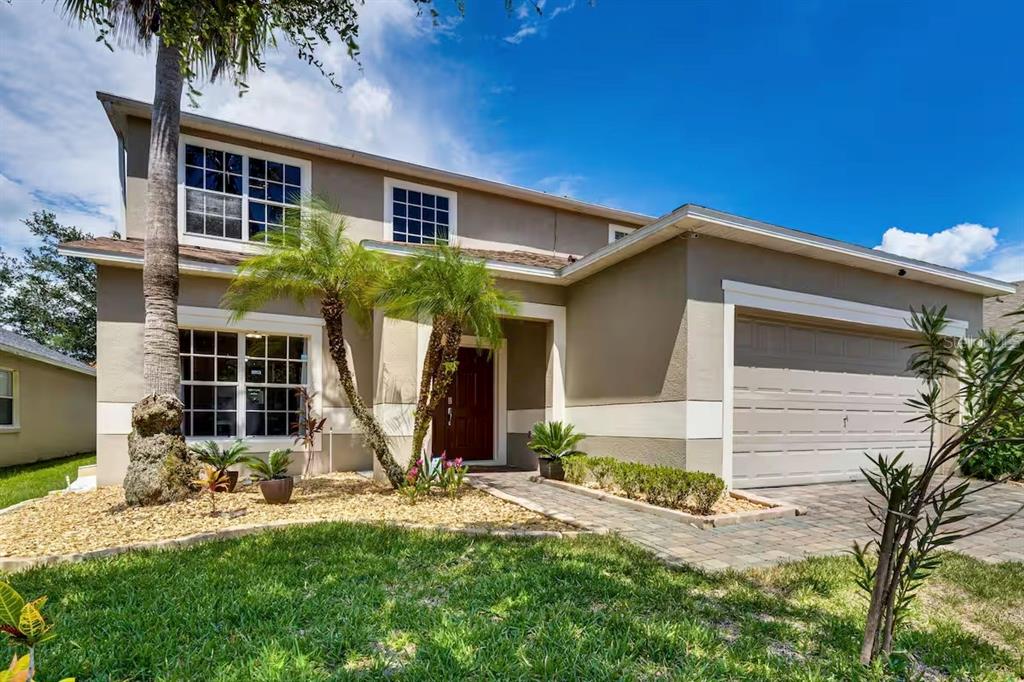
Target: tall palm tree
x=194, y=40
x=314, y=259
x=459, y=296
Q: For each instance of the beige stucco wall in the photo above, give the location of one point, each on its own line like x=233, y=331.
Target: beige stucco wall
x=56, y=412
x=485, y=220
x=998, y=309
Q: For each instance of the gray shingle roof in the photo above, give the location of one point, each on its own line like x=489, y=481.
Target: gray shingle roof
x=24, y=347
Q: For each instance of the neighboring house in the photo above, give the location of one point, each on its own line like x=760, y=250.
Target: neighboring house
x=47, y=402
x=698, y=339
x=997, y=309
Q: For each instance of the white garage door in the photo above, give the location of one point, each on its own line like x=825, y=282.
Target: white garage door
x=810, y=401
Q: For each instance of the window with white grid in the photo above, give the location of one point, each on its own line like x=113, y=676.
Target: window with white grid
x=275, y=366
x=231, y=194
x=209, y=382
x=420, y=217
x=6, y=397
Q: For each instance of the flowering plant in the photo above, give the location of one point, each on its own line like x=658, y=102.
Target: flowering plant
x=420, y=478
x=453, y=474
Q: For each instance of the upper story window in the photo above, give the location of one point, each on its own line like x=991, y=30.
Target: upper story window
x=7, y=398
x=418, y=214
x=232, y=194
x=617, y=232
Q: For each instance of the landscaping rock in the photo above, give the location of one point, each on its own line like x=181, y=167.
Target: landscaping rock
x=160, y=467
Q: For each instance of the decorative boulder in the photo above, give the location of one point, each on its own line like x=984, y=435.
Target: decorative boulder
x=160, y=467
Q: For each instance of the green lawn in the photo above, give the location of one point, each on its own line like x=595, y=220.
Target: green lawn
x=340, y=601
x=25, y=481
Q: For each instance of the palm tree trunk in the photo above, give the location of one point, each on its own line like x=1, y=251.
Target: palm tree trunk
x=160, y=272
x=333, y=311
x=160, y=468
x=442, y=354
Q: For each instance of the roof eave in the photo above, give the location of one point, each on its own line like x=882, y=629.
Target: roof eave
x=505, y=270
x=21, y=352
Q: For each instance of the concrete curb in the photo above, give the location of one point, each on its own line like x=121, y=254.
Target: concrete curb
x=778, y=511
x=16, y=564
x=18, y=505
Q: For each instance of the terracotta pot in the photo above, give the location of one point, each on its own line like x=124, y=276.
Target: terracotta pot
x=277, y=490
x=232, y=480
x=551, y=468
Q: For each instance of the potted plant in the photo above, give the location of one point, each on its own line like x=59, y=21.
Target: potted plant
x=209, y=453
x=272, y=474
x=551, y=442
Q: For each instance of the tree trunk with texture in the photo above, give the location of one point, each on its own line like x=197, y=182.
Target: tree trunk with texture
x=333, y=312
x=442, y=355
x=160, y=458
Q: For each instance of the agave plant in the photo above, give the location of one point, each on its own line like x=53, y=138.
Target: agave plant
x=554, y=440
x=275, y=466
x=209, y=452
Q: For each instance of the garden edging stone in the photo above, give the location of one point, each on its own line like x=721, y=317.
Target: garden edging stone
x=16, y=564
x=778, y=509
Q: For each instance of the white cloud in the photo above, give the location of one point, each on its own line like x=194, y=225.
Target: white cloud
x=562, y=185
x=957, y=247
x=534, y=20
x=58, y=150
x=1006, y=264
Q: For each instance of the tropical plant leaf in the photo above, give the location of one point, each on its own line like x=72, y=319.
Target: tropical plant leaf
x=11, y=604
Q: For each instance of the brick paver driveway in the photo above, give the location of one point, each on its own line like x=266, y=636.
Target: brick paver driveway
x=836, y=516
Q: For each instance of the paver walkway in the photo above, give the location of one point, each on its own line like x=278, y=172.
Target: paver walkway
x=836, y=517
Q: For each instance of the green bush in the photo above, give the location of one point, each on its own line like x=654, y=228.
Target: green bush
x=659, y=485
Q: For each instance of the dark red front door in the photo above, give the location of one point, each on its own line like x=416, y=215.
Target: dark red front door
x=464, y=420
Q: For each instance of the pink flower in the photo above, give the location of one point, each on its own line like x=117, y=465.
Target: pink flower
x=458, y=461
x=411, y=475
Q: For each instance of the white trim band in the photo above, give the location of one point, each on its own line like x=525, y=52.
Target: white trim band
x=678, y=419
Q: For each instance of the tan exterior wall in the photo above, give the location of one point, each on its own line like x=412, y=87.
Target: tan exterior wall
x=56, y=412
x=998, y=307
x=485, y=220
x=625, y=340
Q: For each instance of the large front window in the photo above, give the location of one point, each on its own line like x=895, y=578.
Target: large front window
x=241, y=384
x=234, y=195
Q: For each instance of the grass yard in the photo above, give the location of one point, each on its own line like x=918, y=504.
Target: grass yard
x=26, y=481
x=345, y=601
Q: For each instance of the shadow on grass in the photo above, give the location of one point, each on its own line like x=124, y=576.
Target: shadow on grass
x=340, y=601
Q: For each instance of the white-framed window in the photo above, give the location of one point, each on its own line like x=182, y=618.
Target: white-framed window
x=8, y=399
x=418, y=214
x=241, y=384
x=617, y=232
x=236, y=194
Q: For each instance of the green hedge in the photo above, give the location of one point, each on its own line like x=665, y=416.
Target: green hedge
x=660, y=485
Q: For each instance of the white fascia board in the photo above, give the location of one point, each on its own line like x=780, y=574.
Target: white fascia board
x=29, y=355
x=824, y=307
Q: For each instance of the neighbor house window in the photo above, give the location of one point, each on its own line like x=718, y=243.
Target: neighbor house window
x=6, y=397
x=420, y=216
x=234, y=195
x=617, y=232
x=241, y=384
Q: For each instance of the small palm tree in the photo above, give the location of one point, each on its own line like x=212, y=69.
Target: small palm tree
x=209, y=452
x=554, y=440
x=313, y=259
x=275, y=466
x=459, y=296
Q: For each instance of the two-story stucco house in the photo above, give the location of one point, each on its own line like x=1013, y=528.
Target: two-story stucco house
x=697, y=339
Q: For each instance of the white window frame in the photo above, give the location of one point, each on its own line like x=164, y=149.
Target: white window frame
x=218, y=319
x=15, y=424
x=453, y=207
x=613, y=228
x=242, y=244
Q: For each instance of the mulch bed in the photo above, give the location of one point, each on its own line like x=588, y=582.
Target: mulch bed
x=80, y=522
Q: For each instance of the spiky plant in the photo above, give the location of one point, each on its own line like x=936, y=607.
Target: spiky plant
x=274, y=467
x=554, y=440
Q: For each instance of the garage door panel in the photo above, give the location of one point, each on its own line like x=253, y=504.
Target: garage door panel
x=809, y=401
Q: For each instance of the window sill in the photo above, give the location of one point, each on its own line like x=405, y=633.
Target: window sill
x=254, y=443
x=10, y=429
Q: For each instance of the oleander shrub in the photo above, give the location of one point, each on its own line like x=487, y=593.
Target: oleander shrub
x=659, y=485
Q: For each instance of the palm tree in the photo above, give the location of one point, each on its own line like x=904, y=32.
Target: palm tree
x=313, y=259
x=459, y=296
x=194, y=40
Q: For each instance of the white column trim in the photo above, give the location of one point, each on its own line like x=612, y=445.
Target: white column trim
x=825, y=307
x=728, y=381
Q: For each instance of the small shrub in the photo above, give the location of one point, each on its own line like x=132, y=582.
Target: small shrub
x=554, y=440
x=659, y=485
x=576, y=468
x=707, y=488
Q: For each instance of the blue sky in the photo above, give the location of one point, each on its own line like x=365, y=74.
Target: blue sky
x=894, y=124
